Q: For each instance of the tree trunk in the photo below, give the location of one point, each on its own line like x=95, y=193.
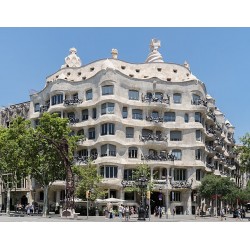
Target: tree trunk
x=45, y=201
x=8, y=202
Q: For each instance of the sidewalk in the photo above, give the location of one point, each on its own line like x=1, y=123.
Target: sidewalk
x=133, y=218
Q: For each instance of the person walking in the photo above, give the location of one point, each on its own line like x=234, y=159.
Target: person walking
x=160, y=212
x=120, y=211
x=126, y=213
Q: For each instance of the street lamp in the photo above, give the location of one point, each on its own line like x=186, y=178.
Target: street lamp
x=169, y=178
x=142, y=183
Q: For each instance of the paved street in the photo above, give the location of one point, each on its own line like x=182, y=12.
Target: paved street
x=177, y=218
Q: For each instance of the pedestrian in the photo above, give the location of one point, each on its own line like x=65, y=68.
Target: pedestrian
x=173, y=212
x=126, y=213
x=222, y=213
x=28, y=209
x=111, y=213
x=160, y=212
x=120, y=210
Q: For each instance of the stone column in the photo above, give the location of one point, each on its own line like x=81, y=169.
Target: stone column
x=189, y=203
x=151, y=173
x=58, y=192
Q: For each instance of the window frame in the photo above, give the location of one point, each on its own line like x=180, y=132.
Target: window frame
x=89, y=92
x=106, y=91
x=179, y=98
x=133, y=94
x=169, y=117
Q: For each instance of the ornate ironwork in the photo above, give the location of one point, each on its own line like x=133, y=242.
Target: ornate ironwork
x=199, y=102
x=210, y=131
x=159, y=99
x=211, y=115
x=85, y=159
x=44, y=108
x=73, y=120
x=167, y=157
x=181, y=184
x=154, y=119
x=126, y=183
x=209, y=165
x=160, y=182
x=152, y=137
x=74, y=101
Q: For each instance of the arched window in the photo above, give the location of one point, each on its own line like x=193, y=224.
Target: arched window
x=132, y=152
x=108, y=90
x=108, y=150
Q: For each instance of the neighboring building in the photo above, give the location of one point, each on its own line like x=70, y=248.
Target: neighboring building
x=155, y=113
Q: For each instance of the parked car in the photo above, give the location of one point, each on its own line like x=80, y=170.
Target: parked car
x=236, y=213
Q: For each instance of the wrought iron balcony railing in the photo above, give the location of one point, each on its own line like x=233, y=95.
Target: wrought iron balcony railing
x=73, y=120
x=85, y=159
x=210, y=148
x=159, y=99
x=231, y=139
x=210, y=165
x=181, y=184
x=151, y=157
x=44, y=108
x=126, y=183
x=199, y=102
x=211, y=115
x=153, y=137
x=210, y=131
x=154, y=119
x=74, y=101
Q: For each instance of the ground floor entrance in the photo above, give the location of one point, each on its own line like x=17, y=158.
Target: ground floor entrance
x=156, y=200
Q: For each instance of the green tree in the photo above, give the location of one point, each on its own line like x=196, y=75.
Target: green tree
x=88, y=179
x=244, y=152
x=13, y=154
x=214, y=185
x=51, y=153
x=140, y=170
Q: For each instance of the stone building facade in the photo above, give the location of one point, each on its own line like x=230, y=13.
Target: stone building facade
x=153, y=113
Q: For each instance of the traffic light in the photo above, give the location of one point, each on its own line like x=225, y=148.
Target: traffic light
x=87, y=194
x=148, y=195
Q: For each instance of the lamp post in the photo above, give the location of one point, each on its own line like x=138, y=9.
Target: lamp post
x=142, y=183
x=169, y=178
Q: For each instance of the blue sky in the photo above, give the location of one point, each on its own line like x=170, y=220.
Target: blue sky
x=217, y=56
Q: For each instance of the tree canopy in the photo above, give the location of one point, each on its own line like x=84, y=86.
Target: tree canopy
x=88, y=179
x=212, y=185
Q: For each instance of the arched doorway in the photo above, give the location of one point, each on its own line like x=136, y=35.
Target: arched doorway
x=156, y=200
x=24, y=201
